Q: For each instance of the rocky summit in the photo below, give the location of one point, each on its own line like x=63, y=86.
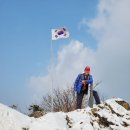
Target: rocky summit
x=113, y=114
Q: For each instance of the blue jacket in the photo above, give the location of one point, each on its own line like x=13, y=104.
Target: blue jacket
x=78, y=82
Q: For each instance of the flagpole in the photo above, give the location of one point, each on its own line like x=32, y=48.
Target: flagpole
x=52, y=58
x=51, y=73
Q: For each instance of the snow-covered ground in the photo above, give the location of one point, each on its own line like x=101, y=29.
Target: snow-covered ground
x=106, y=116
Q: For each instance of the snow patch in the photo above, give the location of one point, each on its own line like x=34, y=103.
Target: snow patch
x=106, y=116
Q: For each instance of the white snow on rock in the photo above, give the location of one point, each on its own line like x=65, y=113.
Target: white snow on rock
x=109, y=115
x=11, y=119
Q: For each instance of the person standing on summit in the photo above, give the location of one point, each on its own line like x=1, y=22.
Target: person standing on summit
x=81, y=87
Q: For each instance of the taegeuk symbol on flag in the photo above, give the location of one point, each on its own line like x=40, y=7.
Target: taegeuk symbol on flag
x=59, y=33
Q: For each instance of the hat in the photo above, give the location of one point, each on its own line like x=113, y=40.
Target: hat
x=87, y=68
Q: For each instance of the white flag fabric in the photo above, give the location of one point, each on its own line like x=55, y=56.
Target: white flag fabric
x=59, y=33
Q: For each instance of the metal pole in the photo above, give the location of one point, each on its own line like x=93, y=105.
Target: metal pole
x=52, y=67
x=91, y=96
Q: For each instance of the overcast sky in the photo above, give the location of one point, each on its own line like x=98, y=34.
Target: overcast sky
x=99, y=37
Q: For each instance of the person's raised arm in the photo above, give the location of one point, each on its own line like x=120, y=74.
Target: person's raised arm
x=76, y=82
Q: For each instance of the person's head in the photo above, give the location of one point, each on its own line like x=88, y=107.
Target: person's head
x=87, y=70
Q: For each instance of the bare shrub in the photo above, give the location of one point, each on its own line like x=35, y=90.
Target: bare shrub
x=63, y=100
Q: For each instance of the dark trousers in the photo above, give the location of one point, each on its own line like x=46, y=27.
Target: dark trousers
x=81, y=95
